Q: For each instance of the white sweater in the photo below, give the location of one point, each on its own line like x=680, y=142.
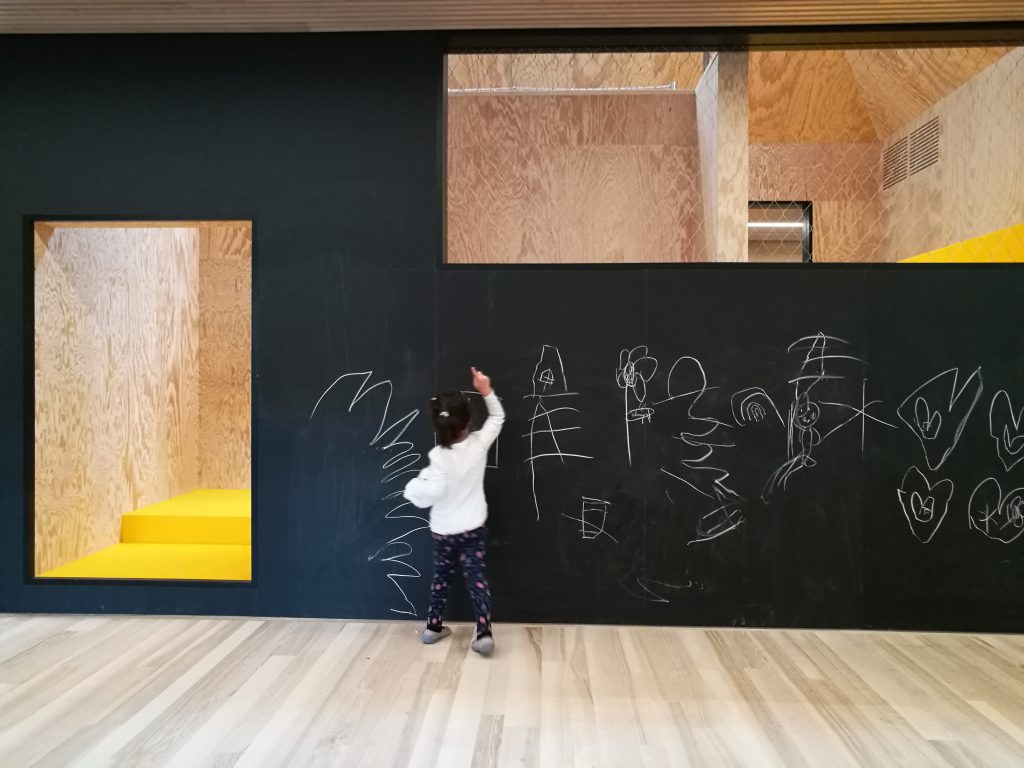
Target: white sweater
x=453, y=483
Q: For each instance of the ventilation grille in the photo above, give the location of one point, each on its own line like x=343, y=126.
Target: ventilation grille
x=894, y=163
x=911, y=154
x=924, y=146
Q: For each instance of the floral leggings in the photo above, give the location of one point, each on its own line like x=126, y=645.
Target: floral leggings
x=470, y=548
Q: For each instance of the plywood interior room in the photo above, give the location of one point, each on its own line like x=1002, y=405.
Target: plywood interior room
x=142, y=399
x=654, y=157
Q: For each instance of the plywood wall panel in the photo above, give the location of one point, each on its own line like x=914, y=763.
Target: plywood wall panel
x=573, y=178
x=848, y=230
x=975, y=188
x=806, y=97
x=225, y=344
x=843, y=183
x=224, y=435
x=733, y=156
x=814, y=171
x=706, y=97
x=897, y=84
x=722, y=112
x=852, y=96
x=575, y=70
x=982, y=151
x=579, y=119
x=116, y=316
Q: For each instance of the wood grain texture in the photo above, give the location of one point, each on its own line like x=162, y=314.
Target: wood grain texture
x=205, y=692
x=843, y=183
x=796, y=96
x=897, y=84
x=647, y=69
x=707, y=141
x=975, y=188
x=733, y=161
x=849, y=230
x=225, y=354
x=329, y=15
x=116, y=342
x=806, y=97
x=722, y=111
x=852, y=96
x=573, y=178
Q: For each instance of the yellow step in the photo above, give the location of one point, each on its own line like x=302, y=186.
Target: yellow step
x=1002, y=245
x=199, y=517
x=217, y=562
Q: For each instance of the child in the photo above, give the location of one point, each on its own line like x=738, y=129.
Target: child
x=453, y=485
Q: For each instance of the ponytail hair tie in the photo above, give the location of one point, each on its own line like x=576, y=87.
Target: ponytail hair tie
x=444, y=413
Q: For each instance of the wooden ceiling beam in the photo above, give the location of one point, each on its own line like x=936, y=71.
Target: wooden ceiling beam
x=71, y=16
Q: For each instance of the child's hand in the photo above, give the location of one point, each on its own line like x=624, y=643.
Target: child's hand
x=481, y=382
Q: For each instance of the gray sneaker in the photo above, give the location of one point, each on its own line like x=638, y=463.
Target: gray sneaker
x=483, y=645
x=429, y=636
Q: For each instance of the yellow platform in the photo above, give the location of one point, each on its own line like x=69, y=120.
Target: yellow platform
x=202, y=535
x=1002, y=246
x=220, y=562
x=199, y=517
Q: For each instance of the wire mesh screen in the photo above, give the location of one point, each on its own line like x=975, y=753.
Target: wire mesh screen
x=877, y=155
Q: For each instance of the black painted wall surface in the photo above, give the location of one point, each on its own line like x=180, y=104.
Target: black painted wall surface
x=331, y=145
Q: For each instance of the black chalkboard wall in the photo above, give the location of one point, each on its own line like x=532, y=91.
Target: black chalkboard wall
x=808, y=446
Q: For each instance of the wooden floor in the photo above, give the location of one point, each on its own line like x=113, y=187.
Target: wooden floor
x=192, y=692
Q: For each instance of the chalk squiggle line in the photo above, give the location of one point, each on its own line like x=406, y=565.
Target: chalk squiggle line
x=401, y=463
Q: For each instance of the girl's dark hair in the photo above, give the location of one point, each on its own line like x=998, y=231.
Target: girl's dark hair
x=450, y=414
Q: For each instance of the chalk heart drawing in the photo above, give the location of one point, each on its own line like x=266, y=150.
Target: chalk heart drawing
x=929, y=421
x=937, y=412
x=999, y=517
x=1005, y=428
x=924, y=505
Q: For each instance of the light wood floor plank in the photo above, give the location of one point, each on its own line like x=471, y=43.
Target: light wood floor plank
x=148, y=691
x=279, y=735
x=205, y=741
x=104, y=752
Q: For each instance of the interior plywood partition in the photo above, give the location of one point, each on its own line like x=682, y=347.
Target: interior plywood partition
x=971, y=183
x=722, y=119
x=818, y=121
x=843, y=183
x=591, y=157
x=570, y=178
x=225, y=359
x=117, y=397
x=138, y=371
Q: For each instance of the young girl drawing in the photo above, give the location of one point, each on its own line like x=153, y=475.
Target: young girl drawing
x=453, y=486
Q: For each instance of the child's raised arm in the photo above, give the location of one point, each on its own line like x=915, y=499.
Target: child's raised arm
x=495, y=413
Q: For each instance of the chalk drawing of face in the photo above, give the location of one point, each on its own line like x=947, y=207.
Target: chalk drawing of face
x=807, y=413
